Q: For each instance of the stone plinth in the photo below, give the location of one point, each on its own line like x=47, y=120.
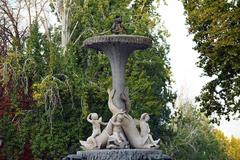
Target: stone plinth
x=120, y=154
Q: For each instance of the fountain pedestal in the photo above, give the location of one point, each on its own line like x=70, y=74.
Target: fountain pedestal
x=121, y=132
x=123, y=154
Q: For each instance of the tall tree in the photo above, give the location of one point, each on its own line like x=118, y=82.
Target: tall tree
x=16, y=19
x=11, y=33
x=234, y=147
x=62, y=8
x=216, y=27
x=230, y=145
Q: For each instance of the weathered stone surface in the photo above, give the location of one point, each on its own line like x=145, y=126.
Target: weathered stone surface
x=128, y=41
x=118, y=48
x=121, y=154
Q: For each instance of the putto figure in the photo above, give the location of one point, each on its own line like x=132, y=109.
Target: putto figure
x=145, y=130
x=117, y=139
x=96, y=124
x=117, y=27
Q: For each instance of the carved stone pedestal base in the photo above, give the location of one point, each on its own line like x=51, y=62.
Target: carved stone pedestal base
x=119, y=154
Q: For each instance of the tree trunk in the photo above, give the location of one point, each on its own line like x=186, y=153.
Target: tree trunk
x=63, y=9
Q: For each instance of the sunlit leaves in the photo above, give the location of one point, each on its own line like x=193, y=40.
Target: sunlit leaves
x=216, y=28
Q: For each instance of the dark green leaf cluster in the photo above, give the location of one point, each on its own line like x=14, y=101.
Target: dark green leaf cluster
x=12, y=141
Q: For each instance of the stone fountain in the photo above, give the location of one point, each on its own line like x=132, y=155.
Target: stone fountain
x=120, y=139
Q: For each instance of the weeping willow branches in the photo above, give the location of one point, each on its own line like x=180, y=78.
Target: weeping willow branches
x=49, y=89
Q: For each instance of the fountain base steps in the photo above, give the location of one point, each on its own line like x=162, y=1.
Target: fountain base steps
x=119, y=154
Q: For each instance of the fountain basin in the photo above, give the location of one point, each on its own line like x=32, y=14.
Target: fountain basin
x=128, y=41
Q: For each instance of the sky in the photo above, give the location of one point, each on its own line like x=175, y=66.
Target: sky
x=183, y=58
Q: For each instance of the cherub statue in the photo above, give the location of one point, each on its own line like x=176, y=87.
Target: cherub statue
x=117, y=139
x=145, y=130
x=96, y=124
x=117, y=129
x=117, y=27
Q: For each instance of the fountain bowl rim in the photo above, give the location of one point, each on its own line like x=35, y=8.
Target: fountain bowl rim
x=139, y=42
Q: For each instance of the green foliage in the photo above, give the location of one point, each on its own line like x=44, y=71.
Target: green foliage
x=13, y=142
x=234, y=147
x=231, y=146
x=193, y=137
x=216, y=26
x=60, y=141
x=67, y=87
x=149, y=90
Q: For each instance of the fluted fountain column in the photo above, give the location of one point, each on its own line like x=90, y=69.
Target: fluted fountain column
x=118, y=48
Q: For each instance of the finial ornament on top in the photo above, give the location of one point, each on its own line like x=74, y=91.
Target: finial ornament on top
x=117, y=27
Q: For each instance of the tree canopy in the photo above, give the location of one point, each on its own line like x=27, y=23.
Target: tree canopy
x=230, y=145
x=215, y=25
